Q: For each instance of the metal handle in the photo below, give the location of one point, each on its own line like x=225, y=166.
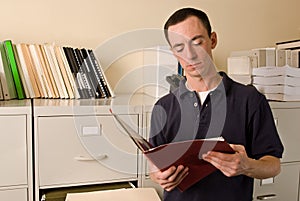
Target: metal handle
x=83, y=158
x=266, y=197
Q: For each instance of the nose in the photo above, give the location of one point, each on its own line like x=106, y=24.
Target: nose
x=190, y=52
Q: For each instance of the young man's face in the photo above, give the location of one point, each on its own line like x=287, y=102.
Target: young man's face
x=192, y=46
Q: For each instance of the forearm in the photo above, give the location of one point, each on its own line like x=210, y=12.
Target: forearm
x=265, y=167
x=239, y=163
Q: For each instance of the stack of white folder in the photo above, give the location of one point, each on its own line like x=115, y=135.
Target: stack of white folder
x=278, y=83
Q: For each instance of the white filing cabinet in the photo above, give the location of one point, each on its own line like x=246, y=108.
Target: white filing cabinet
x=285, y=186
x=78, y=142
x=15, y=149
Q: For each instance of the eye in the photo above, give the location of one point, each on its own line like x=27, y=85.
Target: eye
x=178, y=48
x=197, y=42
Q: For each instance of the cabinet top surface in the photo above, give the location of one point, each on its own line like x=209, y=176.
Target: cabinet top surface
x=284, y=105
x=122, y=103
x=15, y=107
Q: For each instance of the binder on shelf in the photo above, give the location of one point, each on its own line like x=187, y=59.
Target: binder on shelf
x=69, y=73
x=7, y=82
x=88, y=84
x=31, y=70
x=25, y=68
x=1, y=91
x=291, y=44
x=49, y=50
x=60, y=75
x=39, y=71
x=97, y=77
x=186, y=153
x=280, y=56
x=94, y=80
x=52, y=82
x=74, y=69
x=288, y=59
x=64, y=73
x=46, y=71
x=14, y=69
x=264, y=56
x=295, y=58
x=22, y=73
x=98, y=69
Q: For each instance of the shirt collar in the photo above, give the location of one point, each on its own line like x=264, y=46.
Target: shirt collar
x=227, y=82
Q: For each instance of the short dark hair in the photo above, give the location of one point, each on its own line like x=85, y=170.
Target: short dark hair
x=182, y=14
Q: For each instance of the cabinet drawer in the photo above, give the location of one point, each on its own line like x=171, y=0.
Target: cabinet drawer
x=13, y=195
x=285, y=186
x=84, y=149
x=287, y=122
x=13, y=150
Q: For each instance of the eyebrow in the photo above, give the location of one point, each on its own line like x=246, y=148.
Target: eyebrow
x=197, y=37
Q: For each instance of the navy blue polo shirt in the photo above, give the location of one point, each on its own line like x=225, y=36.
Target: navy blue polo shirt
x=238, y=113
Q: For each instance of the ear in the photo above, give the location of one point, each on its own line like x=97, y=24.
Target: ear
x=214, y=40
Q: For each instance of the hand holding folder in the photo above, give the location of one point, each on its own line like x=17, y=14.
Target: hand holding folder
x=187, y=153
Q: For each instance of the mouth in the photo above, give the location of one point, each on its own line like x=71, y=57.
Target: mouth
x=194, y=65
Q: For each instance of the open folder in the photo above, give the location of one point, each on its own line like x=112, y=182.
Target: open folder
x=187, y=153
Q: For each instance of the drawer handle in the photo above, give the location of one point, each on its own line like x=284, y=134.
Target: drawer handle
x=83, y=158
x=101, y=157
x=266, y=197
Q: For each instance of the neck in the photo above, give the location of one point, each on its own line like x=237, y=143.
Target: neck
x=200, y=84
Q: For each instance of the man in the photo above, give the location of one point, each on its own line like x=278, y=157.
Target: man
x=210, y=104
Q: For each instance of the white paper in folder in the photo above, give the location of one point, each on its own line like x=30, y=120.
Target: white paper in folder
x=134, y=194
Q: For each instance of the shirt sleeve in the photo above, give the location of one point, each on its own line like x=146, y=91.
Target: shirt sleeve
x=265, y=138
x=158, y=121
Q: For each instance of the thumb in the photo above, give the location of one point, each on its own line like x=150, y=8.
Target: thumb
x=238, y=148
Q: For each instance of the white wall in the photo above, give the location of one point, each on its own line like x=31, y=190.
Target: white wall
x=239, y=24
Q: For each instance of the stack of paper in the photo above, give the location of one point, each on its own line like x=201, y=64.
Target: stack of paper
x=278, y=83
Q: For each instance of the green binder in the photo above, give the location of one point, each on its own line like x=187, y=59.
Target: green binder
x=14, y=69
x=9, y=91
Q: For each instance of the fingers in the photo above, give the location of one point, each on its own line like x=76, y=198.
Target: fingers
x=238, y=148
x=176, y=178
x=170, y=178
x=229, y=164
